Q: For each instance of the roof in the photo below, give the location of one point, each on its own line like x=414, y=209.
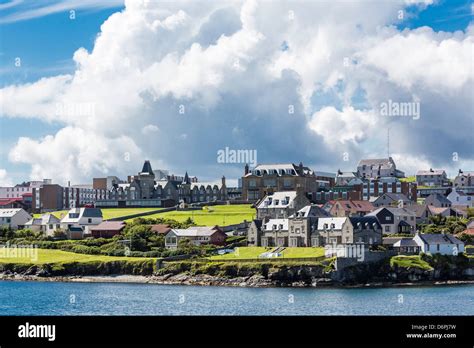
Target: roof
x=9, y=212
x=203, y=231
x=44, y=219
x=439, y=238
x=437, y=211
x=439, y=197
x=268, y=226
x=91, y=212
x=394, y=196
x=281, y=199
x=279, y=169
x=147, y=168
x=394, y=211
x=160, y=228
x=365, y=221
x=8, y=201
x=431, y=172
x=337, y=221
x=109, y=226
x=418, y=209
x=391, y=240
x=468, y=231
x=311, y=210
x=405, y=243
x=358, y=206
x=382, y=162
x=325, y=174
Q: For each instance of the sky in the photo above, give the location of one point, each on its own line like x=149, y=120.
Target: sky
x=93, y=88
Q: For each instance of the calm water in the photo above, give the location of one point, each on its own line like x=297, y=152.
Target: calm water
x=48, y=298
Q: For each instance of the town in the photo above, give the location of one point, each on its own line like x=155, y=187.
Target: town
x=287, y=205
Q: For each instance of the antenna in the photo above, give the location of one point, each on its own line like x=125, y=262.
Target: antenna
x=388, y=142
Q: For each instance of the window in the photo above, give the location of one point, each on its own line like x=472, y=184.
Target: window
x=387, y=228
x=89, y=220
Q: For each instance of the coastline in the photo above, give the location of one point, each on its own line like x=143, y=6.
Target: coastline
x=249, y=282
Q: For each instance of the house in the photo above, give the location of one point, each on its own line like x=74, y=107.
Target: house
x=437, y=243
x=437, y=200
x=395, y=220
x=196, y=235
x=280, y=205
x=347, y=230
x=391, y=200
x=14, y=218
x=378, y=168
x=464, y=179
x=461, y=198
x=160, y=228
x=432, y=177
x=421, y=211
x=441, y=211
x=351, y=208
x=302, y=224
x=274, y=233
x=347, y=179
x=407, y=246
x=107, y=229
x=254, y=233
x=47, y=223
x=265, y=179
x=81, y=219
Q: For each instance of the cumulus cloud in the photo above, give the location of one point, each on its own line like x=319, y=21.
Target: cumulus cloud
x=5, y=180
x=205, y=83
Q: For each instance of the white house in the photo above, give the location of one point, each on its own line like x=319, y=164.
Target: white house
x=78, y=221
x=47, y=223
x=461, y=198
x=436, y=243
x=14, y=218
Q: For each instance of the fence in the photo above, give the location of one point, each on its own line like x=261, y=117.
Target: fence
x=269, y=259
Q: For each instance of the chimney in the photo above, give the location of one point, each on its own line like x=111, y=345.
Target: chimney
x=246, y=170
x=223, y=181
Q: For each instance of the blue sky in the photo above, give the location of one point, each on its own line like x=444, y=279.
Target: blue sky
x=45, y=39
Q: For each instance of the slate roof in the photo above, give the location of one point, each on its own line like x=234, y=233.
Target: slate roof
x=268, y=226
x=9, y=212
x=337, y=221
x=365, y=221
x=439, y=197
x=109, y=226
x=439, y=238
x=405, y=243
x=147, y=168
x=312, y=211
x=281, y=199
x=431, y=172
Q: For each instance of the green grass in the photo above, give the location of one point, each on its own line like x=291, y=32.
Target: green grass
x=408, y=179
x=412, y=261
x=254, y=253
x=107, y=213
x=221, y=215
x=56, y=256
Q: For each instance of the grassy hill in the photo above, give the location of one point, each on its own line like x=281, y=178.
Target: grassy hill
x=108, y=213
x=222, y=215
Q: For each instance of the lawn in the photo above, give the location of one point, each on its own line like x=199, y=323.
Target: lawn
x=108, y=213
x=413, y=261
x=28, y=256
x=221, y=215
x=408, y=179
x=254, y=252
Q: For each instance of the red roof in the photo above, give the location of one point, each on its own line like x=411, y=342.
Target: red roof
x=160, y=228
x=468, y=231
x=6, y=201
x=109, y=226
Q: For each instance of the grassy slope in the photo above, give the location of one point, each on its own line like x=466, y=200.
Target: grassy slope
x=108, y=213
x=222, y=215
x=254, y=252
x=56, y=256
x=413, y=261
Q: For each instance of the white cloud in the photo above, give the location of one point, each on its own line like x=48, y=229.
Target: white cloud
x=153, y=58
x=5, y=180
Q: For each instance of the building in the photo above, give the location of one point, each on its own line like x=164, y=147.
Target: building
x=78, y=221
x=375, y=188
x=47, y=224
x=395, y=220
x=438, y=243
x=432, y=177
x=422, y=212
x=464, y=179
x=14, y=218
x=347, y=179
x=274, y=233
x=438, y=200
x=347, y=230
x=460, y=198
x=378, y=168
x=302, y=224
x=351, y=208
x=145, y=190
x=107, y=229
x=266, y=179
x=407, y=246
x=196, y=235
x=391, y=200
x=162, y=229
x=280, y=205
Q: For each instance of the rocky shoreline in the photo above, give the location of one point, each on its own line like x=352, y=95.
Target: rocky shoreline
x=254, y=281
